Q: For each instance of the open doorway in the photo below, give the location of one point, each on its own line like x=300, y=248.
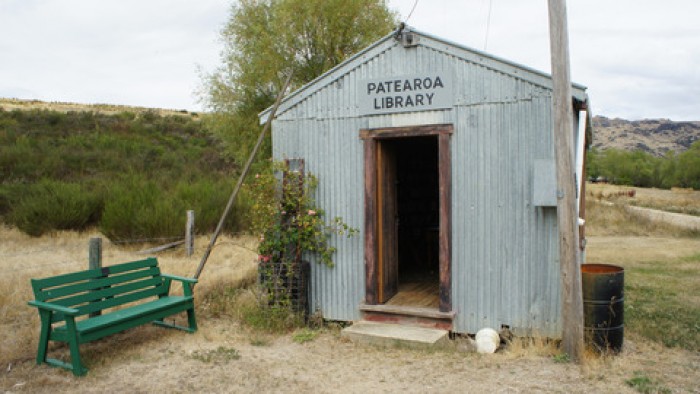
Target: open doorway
x=407, y=227
x=417, y=219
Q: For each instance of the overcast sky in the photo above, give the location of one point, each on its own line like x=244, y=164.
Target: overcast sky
x=639, y=59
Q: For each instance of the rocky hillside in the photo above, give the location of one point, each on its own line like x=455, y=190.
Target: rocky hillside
x=655, y=136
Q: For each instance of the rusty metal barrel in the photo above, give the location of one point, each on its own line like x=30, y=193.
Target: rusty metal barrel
x=603, y=287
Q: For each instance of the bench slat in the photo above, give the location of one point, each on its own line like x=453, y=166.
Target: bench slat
x=111, y=297
x=97, y=283
x=59, y=280
x=112, y=291
x=97, y=322
x=145, y=319
x=120, y=300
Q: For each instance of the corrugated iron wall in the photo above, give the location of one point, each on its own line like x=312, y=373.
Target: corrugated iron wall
x=505, y=251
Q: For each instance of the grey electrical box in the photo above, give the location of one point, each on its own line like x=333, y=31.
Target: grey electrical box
x=544, y=184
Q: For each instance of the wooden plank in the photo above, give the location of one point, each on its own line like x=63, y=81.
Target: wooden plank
x=408, y=131
x=445, y=174
x=572, y=302
x=408, y=311
x=387, y=263
x=387, y=214
x=161, y=247
x=370, y=225
x=420, y=294
x=379, y=204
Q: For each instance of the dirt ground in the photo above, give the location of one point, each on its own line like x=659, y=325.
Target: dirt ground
x=223, y=356
x=148, y=360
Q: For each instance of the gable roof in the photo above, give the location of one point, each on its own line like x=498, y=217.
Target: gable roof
x=420, y=39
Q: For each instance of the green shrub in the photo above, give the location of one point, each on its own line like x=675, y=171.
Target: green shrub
x=54, y=205
x=137, y=208
x=208, y=198
x=144, y=169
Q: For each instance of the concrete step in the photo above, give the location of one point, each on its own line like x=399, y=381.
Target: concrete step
x=384, y=334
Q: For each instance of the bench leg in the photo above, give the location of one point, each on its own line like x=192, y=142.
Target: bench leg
x=77, y=365
x=191, y=320
x=43, y=336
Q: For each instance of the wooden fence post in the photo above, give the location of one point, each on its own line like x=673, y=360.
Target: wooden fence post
x=95, y=259
x=95, y=253
x=189, y=234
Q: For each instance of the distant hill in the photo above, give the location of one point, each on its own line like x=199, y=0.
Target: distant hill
x=654, y=136
x=9, y=104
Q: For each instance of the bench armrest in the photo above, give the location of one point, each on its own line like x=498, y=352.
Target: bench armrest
x=180, y=278
x=54, y=308
x=187, y=283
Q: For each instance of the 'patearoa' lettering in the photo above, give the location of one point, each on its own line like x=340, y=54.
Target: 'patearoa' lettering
x=399, y=85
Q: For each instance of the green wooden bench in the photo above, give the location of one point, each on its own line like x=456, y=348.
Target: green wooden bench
x=68, y=305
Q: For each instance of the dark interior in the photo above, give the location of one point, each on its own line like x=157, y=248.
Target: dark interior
x=418, y=201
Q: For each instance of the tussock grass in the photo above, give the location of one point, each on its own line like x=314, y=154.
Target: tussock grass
x=519, y=347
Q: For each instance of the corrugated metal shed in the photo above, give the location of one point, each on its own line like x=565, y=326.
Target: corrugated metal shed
x=504, y=248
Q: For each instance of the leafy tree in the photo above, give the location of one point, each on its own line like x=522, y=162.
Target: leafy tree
x=688, y=167
x=265, y=39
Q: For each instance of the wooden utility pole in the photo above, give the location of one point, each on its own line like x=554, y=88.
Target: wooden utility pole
x=572, y=302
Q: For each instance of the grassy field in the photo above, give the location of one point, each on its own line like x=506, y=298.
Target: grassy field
x=662, y=262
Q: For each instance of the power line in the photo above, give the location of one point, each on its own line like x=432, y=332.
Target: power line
x=488, y=25
x=411, y=13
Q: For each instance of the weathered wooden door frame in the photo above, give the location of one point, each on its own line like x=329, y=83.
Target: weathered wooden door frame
x=371, y=137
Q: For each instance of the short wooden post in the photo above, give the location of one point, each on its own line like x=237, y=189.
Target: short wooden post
x=95, y=253
x=189, y=234
x=95, y=259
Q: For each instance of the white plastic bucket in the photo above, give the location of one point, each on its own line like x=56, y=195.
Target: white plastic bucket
x=487, y=340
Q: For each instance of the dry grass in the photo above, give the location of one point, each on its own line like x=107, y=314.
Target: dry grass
x=654, y=257
x=678, y=200
x=232, y=264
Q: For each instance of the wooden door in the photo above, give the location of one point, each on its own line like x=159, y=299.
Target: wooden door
x=387, y=222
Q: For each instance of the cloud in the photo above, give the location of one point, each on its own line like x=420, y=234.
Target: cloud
x=123, y=52
x=638, y=59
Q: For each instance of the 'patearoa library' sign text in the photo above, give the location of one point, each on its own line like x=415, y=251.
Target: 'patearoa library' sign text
x=404, y=94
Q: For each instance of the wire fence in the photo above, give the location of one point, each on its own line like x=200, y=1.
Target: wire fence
x=110, y=247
